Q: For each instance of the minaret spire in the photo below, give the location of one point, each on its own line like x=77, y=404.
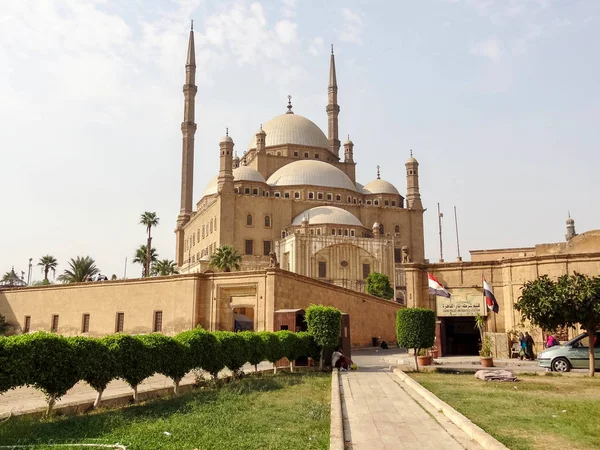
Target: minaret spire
x=188, y=130
x=333, y=109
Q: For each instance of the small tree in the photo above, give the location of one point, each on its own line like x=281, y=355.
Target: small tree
x=225, y=258
x=134, y=360
x=256, y=347
x=233, y=349
x=379, y=285
x=291, y=345
x=169, y=357
x=52, y=364
x=415, y=328
x=96, y=362
x=324, y=325
x=14, y=364
x=273, y=348
x=149, y=220
x=571, y=300
x=204, y=350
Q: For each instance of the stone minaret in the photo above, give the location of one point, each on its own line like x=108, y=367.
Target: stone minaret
x=260, y=141
x=413, y=197
x=333, y=109
x=188, y=130
x=225, y=178
x=348, y=151
x=570, y=228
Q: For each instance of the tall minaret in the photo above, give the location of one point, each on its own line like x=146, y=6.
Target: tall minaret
x=413, y=197
x=570, y=228
x=225, y=178
x=188, y=129
x=333, y=109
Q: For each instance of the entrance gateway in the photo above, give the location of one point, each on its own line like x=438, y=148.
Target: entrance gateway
x=456, y=334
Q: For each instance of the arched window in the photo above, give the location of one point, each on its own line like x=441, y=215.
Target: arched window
x=397, y=229
x=381, y=229
x=203, y=230
x=211, y=225
x=318, y=232
x=249, y=220
x=267, y=221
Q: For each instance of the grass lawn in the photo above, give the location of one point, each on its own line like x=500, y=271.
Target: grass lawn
x=537, y=412
x=283, y=411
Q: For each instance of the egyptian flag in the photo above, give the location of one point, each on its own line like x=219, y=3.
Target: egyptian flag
x=490, y=300
x=435, y=288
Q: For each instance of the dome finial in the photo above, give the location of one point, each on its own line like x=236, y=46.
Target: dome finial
x=261, y=126
x=332, y=49
x=192, y=25
x=411, y=152
x=378, y=175
x=289, y=106
x=227, y=131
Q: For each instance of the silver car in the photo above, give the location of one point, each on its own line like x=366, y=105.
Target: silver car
x=572, y=355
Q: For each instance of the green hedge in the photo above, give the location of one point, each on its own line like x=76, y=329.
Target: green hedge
x=415, y=328
x=324, y=325
x=54, y=364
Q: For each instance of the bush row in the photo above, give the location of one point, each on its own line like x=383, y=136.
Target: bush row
x=54, y=364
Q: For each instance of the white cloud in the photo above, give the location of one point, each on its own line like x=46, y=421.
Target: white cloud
x=286, y=30
x=316, y=46
x=352, y=27
x=491, y=49
x=288, y=9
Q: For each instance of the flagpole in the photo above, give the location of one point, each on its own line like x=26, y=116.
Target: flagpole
x=457, y=241
x=440, y=215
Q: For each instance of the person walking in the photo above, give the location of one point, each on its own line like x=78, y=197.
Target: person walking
x=523, y=344
x=529, y=346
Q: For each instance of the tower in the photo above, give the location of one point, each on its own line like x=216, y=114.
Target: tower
x=348, y=151
x=333, y=109
x=260, y=141
x=413, y=197
x=225, y=178
x=188, y=130
x=570, y=228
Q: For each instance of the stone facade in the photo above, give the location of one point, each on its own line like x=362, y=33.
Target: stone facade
x=185, y=301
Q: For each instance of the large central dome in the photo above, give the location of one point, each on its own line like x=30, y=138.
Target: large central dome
x=309, y=172
x=292, y=129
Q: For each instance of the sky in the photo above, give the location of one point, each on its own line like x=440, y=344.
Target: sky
x=499, y=101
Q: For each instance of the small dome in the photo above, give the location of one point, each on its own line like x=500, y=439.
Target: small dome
x=348, y=141
x=327, y=215
x=570, y=221
x=379, y=186
x=226, y=139
x=311, y=173
x=292, y=129
x=242, y=173
x=412, y=160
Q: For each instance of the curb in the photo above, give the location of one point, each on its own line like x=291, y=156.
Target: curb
x=336, y=433
x=473, y=431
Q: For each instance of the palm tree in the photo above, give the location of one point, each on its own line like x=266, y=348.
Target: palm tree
x=149, y=220
x=6, y=276
x=225, y=258
x=80, y=269
x=164, y=267
x=140, y=256
x=48, y=263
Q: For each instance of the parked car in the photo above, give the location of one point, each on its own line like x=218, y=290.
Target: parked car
x=572, y=355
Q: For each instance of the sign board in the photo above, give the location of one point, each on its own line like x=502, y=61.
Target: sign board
x=463, y=303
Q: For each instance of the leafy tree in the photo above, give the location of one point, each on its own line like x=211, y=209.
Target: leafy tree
x=164, y=267
x=134, y=360
x=273, y=347
x=41, y=283
x=256, y=347
x=292, y=346
x=170, y=357
x=234, y=350
x=379, y=285
x=324, y=325
x=48, y=263
x=79, y=270
x=203, y=349
x=415, y=328
x=5, y=327
x=140, y=257
x=149, y=220
x=96, y=361
x=568, y=301
x=51, y=362
x=225, y=258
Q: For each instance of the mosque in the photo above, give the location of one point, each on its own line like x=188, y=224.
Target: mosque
x=294, y=198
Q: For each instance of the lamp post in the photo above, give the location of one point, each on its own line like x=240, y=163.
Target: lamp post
x=29, y=272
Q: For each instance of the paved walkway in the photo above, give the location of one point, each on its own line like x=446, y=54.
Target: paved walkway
x=379, y=414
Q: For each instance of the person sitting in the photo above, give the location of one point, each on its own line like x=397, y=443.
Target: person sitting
x=339, y=361
x=384, y=345
x=551, y=341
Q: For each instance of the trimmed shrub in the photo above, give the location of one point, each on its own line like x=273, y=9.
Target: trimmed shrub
x=204, y=350
x=14, y=367
x=96, y=362
x=379, y=285
x=291, y=345
x=415, y=328
x=309, y=346
x=324, y=325
x=273, y=348
x=256, y=348
x=52, y=364
x=134, y=359
x=233, y=349
x=169, y=357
